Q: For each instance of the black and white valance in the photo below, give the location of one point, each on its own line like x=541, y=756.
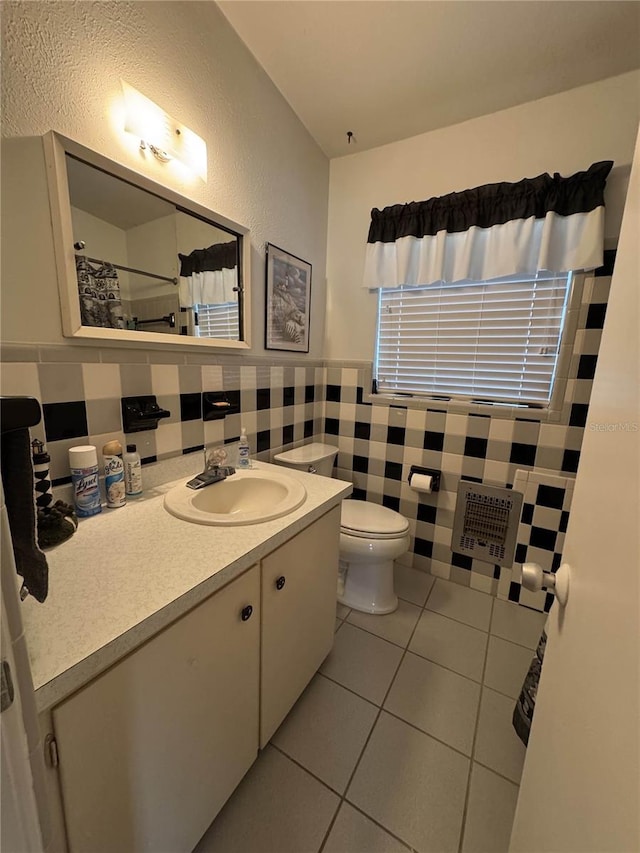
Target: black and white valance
x=546, y=223
x=209, y=276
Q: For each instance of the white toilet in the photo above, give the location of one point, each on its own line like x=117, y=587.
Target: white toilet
x=371, y=537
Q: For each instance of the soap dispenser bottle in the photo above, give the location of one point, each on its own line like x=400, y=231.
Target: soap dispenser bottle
x=244, y=451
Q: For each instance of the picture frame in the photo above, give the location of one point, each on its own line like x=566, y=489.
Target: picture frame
x=288, y=301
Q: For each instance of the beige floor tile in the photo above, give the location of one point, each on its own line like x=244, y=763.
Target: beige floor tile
x=507, y=665
x=354, y=833
x=492, y=804
x=412, y=585
x=362, y=662
x=516, y=623
x=342, y=611
x=413, y=785
x=326, y=730
x=451, y=644
x=277, y=808
x=396, y=627
x=461, y=603
x=435, y=700
x=497, y=744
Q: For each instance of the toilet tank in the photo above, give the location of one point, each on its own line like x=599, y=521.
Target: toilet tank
x=316, y=458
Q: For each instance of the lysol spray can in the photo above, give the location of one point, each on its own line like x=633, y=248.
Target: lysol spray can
x=83, y=462
x=114, y=474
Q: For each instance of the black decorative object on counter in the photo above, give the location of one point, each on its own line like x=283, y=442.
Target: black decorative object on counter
x=141, y=413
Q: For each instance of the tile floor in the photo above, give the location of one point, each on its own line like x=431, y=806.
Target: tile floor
x=402, y=741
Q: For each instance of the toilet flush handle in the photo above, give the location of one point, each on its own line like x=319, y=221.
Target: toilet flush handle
x=311, y=470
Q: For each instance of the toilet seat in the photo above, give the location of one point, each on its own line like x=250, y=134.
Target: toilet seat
x=366, y=520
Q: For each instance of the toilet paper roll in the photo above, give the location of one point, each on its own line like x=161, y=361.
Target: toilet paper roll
x=421, y=483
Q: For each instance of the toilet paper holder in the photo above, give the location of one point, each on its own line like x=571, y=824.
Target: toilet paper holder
x=435, y=476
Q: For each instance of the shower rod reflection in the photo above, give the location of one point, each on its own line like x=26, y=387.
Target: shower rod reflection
x=131, y=269
x=169, y=319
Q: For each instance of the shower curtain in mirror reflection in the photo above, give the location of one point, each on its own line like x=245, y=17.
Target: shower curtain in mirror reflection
x=209, y=276
x=99, y=289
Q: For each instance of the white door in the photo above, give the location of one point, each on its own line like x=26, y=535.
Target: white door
x=19, y=827
x=580, y=789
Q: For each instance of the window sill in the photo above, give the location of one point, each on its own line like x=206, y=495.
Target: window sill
x=462, y=407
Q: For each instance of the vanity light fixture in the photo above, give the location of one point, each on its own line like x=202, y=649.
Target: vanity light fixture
x=160, y=133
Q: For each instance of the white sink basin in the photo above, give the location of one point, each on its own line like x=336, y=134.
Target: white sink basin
x=246, y=497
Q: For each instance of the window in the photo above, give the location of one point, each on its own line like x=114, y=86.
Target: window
x=492, y=341
x=217, y=321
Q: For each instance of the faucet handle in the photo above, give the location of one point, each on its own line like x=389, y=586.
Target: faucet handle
x=213, y=457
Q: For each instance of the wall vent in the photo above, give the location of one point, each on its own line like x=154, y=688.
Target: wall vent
x=486, y=522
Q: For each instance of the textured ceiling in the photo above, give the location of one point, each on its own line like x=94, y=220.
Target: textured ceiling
x=388, y=69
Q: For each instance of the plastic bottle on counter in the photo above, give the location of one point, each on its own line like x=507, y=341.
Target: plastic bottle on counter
x=114, y=474
x=244, y=451
x=83, y=462
x=132, y=472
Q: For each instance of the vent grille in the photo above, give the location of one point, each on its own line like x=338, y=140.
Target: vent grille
x=486, y=517
x=486, y=522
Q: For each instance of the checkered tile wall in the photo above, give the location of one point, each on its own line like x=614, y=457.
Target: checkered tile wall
x=283, y=404
x=378, y=444
x=278, y=404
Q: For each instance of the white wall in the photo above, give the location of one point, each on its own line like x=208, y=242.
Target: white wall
x=152, y=247
x=61, y=69
x=563, y=133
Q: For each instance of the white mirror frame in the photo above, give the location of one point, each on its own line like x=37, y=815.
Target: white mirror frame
x=56, y=147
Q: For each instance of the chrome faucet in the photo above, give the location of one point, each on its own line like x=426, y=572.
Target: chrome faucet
x=214, y=471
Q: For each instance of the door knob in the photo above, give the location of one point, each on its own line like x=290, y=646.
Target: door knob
x=280, y=582
x=246, y=612
x=534, y=579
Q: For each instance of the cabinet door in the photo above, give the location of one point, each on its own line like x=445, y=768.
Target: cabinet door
x=298, y=616
x=151, y=749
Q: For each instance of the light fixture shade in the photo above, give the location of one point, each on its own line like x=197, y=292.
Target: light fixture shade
x=149, y=122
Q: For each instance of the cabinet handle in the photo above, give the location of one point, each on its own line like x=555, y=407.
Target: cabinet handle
x=246, y=612
x=280, y=582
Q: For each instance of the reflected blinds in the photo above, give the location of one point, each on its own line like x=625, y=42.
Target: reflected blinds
x=494, y=341
x=218, y=321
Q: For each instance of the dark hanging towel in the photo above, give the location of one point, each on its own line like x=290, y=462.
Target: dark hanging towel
x=99, y=290
x=17, y=480
x=526, y=704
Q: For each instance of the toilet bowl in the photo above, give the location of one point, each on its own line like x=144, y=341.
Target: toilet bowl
x=371, y=537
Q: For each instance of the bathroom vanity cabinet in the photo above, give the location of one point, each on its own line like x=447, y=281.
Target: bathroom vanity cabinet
x=298, y=596
x=151, y=749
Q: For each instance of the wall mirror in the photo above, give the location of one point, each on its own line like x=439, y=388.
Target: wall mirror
x=138, y=262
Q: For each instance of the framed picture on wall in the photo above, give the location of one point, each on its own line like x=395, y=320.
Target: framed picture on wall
x=288, y=300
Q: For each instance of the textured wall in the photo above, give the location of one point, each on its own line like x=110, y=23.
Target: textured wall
x=562, y=133
x=61, y=68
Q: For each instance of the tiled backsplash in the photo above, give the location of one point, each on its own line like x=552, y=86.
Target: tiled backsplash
x=285, y=403
x=279, y=405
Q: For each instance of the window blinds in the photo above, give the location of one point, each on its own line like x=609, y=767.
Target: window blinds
x=494, y=341
x=218, y=321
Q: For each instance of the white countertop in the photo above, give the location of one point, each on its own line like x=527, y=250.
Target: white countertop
x=129, y=572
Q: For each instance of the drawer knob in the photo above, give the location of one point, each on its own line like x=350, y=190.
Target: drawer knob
x=246, y=612
x=280, y=582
